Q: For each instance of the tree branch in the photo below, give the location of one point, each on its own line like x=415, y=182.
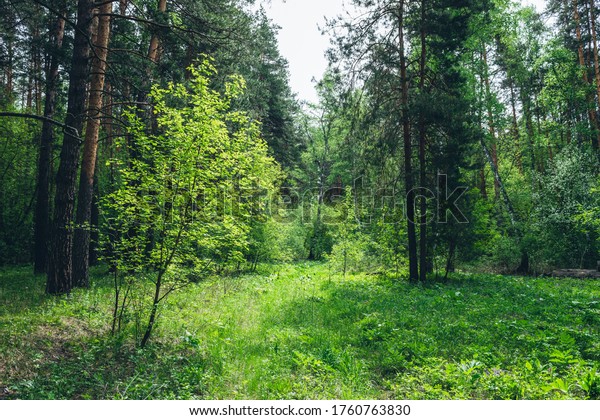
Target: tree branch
x=41, y=118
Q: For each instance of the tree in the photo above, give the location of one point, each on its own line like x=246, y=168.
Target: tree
x=408, y=171
x=584, y=74
x=268, y=97
x=81, y=241
x=392, y=44
x=44, y=170
x=192, y=202
x=61, y=269
x=566, y=196
x=326, y=128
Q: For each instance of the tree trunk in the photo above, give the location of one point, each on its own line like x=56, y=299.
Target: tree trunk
x=95, y=218
x=422, y=150
x=9, y=70
x=515, y=127
x=153, y=57
x=450, y=260
x=38, y=82
x=81, y=242
x=154, y=41
x=29, y=95
x=498, y=179
x=60, y=270
x=584, y=70
x=42, y=208
x=408, y=176
x=491, y=125
x=153, y=311
x=36, y=70
x=596, y=64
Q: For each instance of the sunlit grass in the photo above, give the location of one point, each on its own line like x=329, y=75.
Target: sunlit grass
x=298, y=332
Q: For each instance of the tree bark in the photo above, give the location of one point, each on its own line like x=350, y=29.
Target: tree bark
x=94, y=221
x=41, y=231
x=582, y=63
x=83, y=227
x=60, y=270
x=153, y=311
x=153, y=57
x=154, y=41
x=596, y=64
x=491, y=125
x=515, y=127
x=36, y=70
x=9, y=70
x=423, y=264
x=450, y=260
x=408, y=176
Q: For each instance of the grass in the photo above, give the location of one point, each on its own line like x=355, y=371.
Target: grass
x=296, y=332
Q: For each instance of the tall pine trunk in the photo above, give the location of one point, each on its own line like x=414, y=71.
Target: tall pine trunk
x=42, y=208
x=60, y=272
x=491, y=125
x=81, y=242
x=408, y=175
x=153, y=56
x=596, y=64
x=582, y=63
x=422, y=150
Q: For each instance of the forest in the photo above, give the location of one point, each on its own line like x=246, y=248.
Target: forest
x=175, y=223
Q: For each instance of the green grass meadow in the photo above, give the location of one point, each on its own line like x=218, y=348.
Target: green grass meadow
x=301, y=332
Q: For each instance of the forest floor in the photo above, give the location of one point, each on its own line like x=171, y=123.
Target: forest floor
x=298, y=332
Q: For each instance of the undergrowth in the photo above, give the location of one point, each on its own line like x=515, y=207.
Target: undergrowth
x=301, y=332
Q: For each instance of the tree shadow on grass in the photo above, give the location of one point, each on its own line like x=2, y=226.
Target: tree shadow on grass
x=100, y=366
x=392, y=325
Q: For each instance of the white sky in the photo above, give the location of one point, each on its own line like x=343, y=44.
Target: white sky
x=301, y=42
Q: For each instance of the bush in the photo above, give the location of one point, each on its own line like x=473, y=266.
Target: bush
x=563, y=227
x=505, y=254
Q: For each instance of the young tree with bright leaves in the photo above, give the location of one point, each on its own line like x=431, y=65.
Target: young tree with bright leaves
x=195, y=190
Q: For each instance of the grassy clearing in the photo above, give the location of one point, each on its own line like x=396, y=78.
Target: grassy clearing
x=295, y=332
